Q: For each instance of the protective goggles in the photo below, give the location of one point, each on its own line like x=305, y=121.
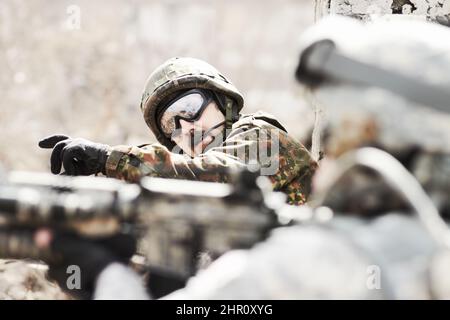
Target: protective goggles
x=188, y=106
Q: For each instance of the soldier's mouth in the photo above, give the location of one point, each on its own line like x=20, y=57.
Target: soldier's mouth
x=201, y=139
x=196, y=138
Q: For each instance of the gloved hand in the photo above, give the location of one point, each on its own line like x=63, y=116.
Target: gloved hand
x=91, y=256
x=78, y=156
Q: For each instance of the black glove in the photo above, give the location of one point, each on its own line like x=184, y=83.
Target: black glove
x=91, y=256
x=78, y=156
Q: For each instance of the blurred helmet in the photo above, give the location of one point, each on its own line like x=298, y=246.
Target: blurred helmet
x=180, y=74
x=381, y=84
x=387, y=9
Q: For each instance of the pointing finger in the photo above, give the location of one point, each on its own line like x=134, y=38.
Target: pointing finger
x=51, y=141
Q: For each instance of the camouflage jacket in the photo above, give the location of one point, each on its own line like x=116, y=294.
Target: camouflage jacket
x=255, y=139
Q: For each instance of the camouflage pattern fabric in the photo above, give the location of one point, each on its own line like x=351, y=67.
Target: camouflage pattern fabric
x=252, y=141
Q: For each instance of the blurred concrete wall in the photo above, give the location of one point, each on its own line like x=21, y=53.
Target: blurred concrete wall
x=78, y=67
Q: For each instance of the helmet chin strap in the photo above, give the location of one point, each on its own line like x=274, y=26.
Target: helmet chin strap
x=229, y=110
x=230, y=113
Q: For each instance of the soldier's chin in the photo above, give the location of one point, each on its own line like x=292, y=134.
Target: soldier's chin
x=197, y=150
x=204, y=145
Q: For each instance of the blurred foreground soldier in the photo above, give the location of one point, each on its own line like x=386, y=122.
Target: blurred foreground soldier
x=394, y=254
x=384, y=85
x=397, y=102
x=194, y=112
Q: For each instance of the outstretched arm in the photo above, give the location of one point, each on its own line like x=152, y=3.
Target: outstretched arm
x=285, y=161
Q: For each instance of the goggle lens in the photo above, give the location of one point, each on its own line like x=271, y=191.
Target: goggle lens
x=187, y=107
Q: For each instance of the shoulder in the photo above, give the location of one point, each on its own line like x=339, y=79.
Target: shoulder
x=258, y=119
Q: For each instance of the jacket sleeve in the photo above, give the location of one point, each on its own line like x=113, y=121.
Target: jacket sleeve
x=131, y=163
x=279, y=156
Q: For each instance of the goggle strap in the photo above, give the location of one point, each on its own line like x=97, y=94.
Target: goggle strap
x=229, y=113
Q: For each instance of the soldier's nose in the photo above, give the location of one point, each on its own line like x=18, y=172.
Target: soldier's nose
x=187, y=127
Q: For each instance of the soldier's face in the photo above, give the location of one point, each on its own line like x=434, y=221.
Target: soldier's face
x=193, y=137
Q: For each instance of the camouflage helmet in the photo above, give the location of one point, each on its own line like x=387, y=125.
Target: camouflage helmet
x=179, y=74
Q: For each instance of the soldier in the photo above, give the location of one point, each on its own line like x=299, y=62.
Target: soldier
x=194, y=112
x=357, y=112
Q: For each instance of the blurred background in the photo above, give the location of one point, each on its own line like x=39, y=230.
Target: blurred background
x=78, y=67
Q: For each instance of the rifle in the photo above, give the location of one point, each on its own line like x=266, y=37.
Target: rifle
x=174, y=220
